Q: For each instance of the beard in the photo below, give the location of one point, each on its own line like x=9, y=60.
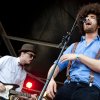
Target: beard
x=90, y=29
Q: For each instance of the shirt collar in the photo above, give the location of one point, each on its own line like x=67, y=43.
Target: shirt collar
x=96, y=38
x=18, y=62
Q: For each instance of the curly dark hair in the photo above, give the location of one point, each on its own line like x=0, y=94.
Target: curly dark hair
x=92, y=8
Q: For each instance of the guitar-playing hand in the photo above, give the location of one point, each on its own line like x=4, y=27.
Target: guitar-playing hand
x=33, y=97
x=2, y=87
x=5, y=88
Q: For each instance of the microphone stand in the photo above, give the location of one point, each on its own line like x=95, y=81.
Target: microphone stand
x=64, y=42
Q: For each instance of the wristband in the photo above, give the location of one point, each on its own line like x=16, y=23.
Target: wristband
x=77, y=56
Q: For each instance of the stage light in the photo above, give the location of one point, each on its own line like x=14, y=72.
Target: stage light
x=29, y=85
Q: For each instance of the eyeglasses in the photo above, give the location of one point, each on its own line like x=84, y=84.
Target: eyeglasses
x=31, y=55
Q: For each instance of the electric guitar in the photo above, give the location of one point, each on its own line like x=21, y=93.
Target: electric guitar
x=5, y=94
x=10, y=92
x=20, y=94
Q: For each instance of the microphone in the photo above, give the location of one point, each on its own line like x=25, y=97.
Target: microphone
x=83, y=20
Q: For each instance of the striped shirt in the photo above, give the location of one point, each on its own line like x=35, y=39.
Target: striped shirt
x=11, y=72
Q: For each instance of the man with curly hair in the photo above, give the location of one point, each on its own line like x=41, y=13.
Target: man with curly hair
x=83, y=75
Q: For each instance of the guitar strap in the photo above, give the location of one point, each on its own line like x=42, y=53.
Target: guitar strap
x=70, y=62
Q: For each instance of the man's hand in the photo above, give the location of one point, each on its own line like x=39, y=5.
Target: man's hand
x=2, y=88
x=68, y=57
x=51, y=89
x=33, y=97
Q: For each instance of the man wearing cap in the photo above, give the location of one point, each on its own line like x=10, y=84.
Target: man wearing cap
x=12, y=68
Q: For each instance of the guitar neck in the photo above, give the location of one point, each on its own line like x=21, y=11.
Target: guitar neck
x=20, y=94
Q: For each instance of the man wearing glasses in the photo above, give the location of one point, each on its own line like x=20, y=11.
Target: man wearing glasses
x=12, y=69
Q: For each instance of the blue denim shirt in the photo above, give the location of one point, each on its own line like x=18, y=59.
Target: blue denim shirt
x=78, y=71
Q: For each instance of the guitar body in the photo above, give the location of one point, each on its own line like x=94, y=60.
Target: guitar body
x=5, y=95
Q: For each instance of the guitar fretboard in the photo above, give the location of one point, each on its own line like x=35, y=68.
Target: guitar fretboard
x=20, y=93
